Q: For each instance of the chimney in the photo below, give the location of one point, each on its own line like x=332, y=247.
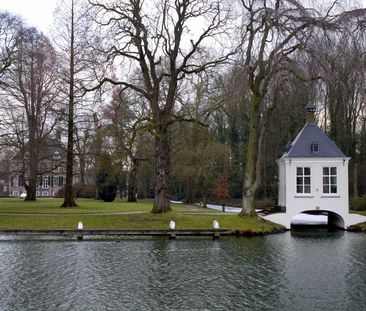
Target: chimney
x=310, y=113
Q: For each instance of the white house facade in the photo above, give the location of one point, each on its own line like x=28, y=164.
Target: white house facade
x=313, y=177
x=50, y=168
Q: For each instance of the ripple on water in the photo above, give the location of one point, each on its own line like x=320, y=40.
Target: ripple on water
x=280, y=272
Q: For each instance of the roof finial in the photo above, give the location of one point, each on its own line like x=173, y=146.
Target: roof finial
x=310, y=112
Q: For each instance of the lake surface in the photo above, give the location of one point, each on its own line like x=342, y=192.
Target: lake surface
x=290, y=271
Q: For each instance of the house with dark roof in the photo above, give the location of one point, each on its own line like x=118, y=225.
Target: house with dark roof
x=313, y=178
x=50, y=168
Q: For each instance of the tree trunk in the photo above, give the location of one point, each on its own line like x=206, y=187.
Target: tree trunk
x=248, y=205
x=132, y=191
x=82, y=168
x=31, y=190
x=69, y=200
x=252, y=165
x=162, y=156
x=355, y=180
x=97, y=151
x=190, y=190
x=31, y=187
x=204, y=197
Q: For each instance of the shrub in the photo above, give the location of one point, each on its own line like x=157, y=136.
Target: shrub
x=107, y=192
x=358, y=204
x=86, y=191
x=60, y=192
x=221, y=190
x=265, y=202
x=107, y=186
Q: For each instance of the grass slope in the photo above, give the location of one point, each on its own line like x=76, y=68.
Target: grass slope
x=45, y=214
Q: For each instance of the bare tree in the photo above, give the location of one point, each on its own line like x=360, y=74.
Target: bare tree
x=343, y=89
x=161, y=42
x=29, y=100
x=274, y=31
x=9, y=28
x=71, y=33
x=126, y=124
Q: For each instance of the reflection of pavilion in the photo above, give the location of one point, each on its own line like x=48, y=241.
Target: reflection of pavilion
x=313, y=178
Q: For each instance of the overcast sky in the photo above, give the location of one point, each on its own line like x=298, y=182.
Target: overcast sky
x=38, y=13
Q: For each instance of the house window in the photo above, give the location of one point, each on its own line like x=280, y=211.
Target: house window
x=330, y=180
x=20, y=181
x=314, y=147
x=15, y=193
x=44, y=193
x=303, y=180
x=45, y=183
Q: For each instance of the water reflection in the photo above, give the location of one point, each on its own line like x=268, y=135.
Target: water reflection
x=291, y=271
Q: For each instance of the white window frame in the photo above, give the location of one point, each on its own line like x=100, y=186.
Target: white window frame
x=303, y=180
x=329, y=180
x=45, y=184
x=56, y=155
x=44, y=193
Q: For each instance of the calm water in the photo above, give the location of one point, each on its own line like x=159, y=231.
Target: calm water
x=302, y=271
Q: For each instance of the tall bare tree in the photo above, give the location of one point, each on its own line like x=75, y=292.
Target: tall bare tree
x=9, y=33
x=30, y=99
x=71, y=33
x=161, y=42
x=274, y=30
x=343, y=86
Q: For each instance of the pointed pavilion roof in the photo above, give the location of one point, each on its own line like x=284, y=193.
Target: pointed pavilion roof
x=309, y=136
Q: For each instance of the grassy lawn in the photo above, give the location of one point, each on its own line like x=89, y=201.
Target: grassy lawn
x=52, y=206
x=62, y=218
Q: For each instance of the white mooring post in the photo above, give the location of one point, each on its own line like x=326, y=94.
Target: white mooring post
x=172, y=229
x=216, y=227
x=80, y=229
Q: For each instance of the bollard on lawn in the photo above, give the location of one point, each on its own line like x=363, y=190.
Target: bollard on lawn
x=172, y=229
x=216, y=227
x=80, y=229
